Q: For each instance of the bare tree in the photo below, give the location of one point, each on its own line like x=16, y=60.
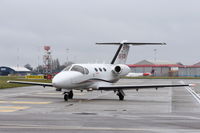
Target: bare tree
x=28, y=66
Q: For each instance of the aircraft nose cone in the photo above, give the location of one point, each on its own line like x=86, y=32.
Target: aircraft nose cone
x=65, y=79
x=60, y=80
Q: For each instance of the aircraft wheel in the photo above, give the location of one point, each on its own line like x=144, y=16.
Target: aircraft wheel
x=121, y=97
x=71, y=95
x=66, y=97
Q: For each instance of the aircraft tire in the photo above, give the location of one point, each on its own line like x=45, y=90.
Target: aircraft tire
x=121, y=97
x=70, y=95
x=66, y=97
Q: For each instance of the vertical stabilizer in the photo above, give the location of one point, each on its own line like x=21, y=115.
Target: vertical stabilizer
x=121, y=54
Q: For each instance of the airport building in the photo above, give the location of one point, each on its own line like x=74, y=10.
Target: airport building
x=166, y=69
x=190, y=71
x=5, y=71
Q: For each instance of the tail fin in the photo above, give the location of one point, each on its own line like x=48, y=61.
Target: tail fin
x=122, y=52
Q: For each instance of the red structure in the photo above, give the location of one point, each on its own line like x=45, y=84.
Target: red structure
x=47, y=59
x=47, y=48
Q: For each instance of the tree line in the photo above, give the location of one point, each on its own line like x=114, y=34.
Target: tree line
x=55, y=67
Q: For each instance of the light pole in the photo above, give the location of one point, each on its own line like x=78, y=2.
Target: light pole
x=155, y=54
x=67, y=51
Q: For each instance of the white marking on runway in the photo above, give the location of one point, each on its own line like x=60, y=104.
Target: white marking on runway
x=192, y=92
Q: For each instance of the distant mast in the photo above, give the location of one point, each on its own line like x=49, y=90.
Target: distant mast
x=47, y=59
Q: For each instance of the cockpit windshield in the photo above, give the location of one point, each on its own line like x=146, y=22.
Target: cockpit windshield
x=78, y=69
x=67, y=68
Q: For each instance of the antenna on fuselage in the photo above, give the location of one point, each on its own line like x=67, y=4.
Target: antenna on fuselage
x=121, y=54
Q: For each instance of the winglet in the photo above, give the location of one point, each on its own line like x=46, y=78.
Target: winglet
x=192, y=85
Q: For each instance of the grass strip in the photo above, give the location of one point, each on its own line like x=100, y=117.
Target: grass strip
x=4, y=79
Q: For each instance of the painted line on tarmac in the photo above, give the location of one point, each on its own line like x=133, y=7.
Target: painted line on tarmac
x=7, y=109
x=24, y=102
x=192, y=92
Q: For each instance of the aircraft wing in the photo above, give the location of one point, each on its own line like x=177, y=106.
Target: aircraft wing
x=137, y=87
x=31, y=83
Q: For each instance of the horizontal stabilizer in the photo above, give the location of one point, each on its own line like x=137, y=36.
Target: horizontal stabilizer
x=131, y=43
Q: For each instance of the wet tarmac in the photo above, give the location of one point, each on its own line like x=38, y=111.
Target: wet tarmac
x=41, y=110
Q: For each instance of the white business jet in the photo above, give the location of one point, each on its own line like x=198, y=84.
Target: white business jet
x=98, y=76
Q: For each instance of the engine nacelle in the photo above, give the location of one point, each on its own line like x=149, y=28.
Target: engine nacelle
x=121, y=70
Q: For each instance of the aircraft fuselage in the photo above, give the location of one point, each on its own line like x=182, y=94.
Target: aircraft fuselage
x=84, y=76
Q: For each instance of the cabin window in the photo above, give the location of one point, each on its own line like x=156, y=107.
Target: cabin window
x=100, y=69
x=96, y=69
x=104, y=69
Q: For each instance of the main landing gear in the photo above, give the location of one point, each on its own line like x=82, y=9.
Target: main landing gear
x=68, y=95
x=121, y=94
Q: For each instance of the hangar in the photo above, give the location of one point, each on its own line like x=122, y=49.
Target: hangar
x=166, y=68
x=190, y=70
x=157, y=68
x=5, y=71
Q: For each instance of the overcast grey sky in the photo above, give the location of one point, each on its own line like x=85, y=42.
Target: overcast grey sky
x=27, y=25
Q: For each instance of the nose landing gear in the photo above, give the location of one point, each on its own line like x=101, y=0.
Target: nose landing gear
x=68, y=95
